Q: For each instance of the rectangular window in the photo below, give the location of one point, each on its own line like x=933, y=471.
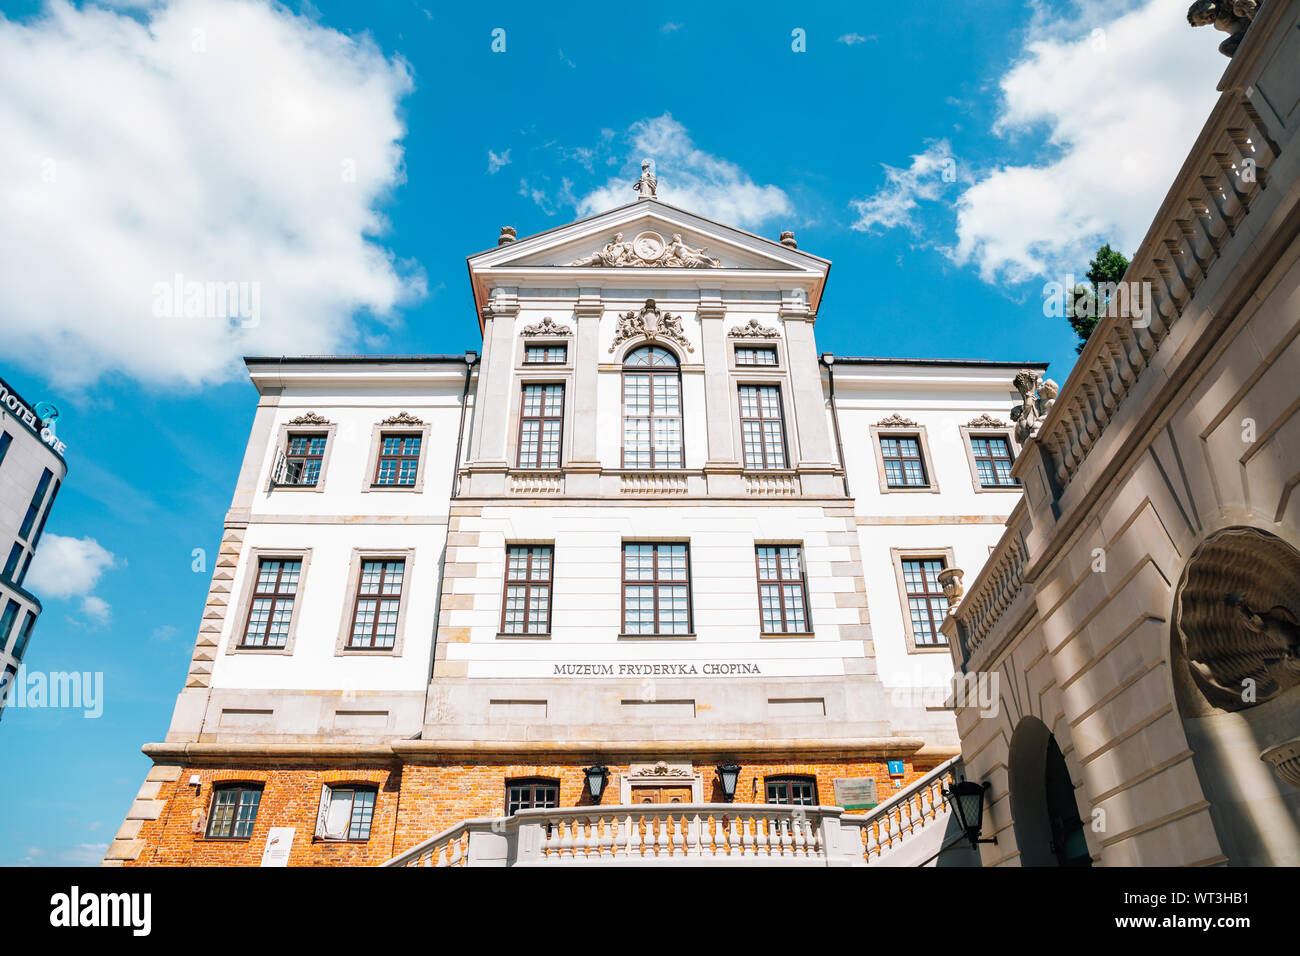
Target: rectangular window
x=904, y=466
x=27, y=563
x=24, y=635
x=756, y=355
x=6, y=440
x=7, y=622
x=761, y=428
x=399, y=460
x=556, y=354
x=992, y=454
x=34, y=508
x=40, y=528
x=652, y=420
x=273, y=600
x=531, y=794
x=926, y=605
x=346, y=813
x=782, y=589
x=11, y=563
x=656, y=589
x=234, y=811
x=526, y=604
x=379, y=598
x=792, y=791
x=303, y=457
x=541, y=422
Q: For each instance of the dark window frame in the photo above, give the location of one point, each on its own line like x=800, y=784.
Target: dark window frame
x=532, y=785
x=919, y=458
x=992, y=460
x=303, y=458
x=400, y=459
x=781, y=582
x=276, y=596
x=379, y=597
x=546, y=348
x=652, y=372
x=241, y=790
x=790, y=781
x=655, y=583
x=744, y=350
x=34, y=509
x=529, y=584
x=542, y=420
x=327, y=794
x=760, y=419
x=937, y=638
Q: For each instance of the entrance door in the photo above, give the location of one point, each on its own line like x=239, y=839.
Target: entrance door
x=661, y=794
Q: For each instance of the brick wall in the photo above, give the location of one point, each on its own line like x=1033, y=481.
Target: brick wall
x=414, y=802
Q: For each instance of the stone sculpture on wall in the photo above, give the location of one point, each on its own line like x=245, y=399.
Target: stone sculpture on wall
x=651, y=324
x=649, y=250
x=1037, y=395
x=1229, y=16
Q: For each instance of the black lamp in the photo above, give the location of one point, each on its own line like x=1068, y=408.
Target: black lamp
x=728, y=777
x=596, y=776
x=967, y=801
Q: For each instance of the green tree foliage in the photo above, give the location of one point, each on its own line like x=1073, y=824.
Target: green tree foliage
x=1086, y=304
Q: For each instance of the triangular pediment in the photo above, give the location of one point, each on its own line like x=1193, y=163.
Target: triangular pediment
x=649, y=235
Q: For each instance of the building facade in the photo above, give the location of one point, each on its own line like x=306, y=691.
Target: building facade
x=651, y=549
x=1140, y=619
x=32, y=470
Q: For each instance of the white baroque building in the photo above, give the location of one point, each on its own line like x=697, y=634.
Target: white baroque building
x=652, y=529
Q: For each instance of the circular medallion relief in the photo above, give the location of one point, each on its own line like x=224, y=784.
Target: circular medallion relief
x=649, y=246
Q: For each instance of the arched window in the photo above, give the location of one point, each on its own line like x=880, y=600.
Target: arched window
x=652, y=409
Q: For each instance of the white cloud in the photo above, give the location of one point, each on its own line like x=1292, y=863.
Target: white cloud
x=495, y=161
x=670, y=27
x=1120, y=120
x=893, y=204
x=689, y=178
x=853, y=39
x=96, y=608
x=225, y=141
x=68, y=567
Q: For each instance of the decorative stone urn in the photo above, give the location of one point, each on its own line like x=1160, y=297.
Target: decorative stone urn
x=950, y=581
x=1285, y=759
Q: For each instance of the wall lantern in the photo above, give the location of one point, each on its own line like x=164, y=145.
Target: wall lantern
x=967, y=801
x=597, y=774
x=728, y=777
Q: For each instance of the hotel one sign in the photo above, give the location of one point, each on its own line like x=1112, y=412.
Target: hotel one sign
x=19, y=409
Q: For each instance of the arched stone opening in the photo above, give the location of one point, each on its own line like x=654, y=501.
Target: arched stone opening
x=1049, y=830
x=1235, y=665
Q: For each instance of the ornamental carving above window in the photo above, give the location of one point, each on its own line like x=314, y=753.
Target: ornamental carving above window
x=986, y=421
x=651, y=324
x=548, y=326
x=896, y=421
x=753, y=330
x=403, y=418
x=311, y=418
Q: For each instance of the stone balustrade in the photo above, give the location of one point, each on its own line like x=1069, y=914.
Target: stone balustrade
x=536, y=483
x=653, y=483
x=771, y=484
x=915, y=811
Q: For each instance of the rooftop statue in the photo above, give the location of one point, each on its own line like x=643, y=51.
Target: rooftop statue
x=1230, y=16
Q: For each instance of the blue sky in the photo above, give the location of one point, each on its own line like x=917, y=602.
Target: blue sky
x=214, y=138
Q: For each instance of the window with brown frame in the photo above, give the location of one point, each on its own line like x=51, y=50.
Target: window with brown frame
x=234, y=811
x=304, y=454
x=652, y=409
x=904, y=464
x=756, y=355
x=782, y=589
x=762, y=428
x=926, y=604
x=379, y=598
x=554, y=354
x=399, y=459
x=531, y=794
x=271, y=610
x=993, y=458
x=346, y=813
x=541, y=426
x=656, y=588
x=526, y=603
x=792, y=791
